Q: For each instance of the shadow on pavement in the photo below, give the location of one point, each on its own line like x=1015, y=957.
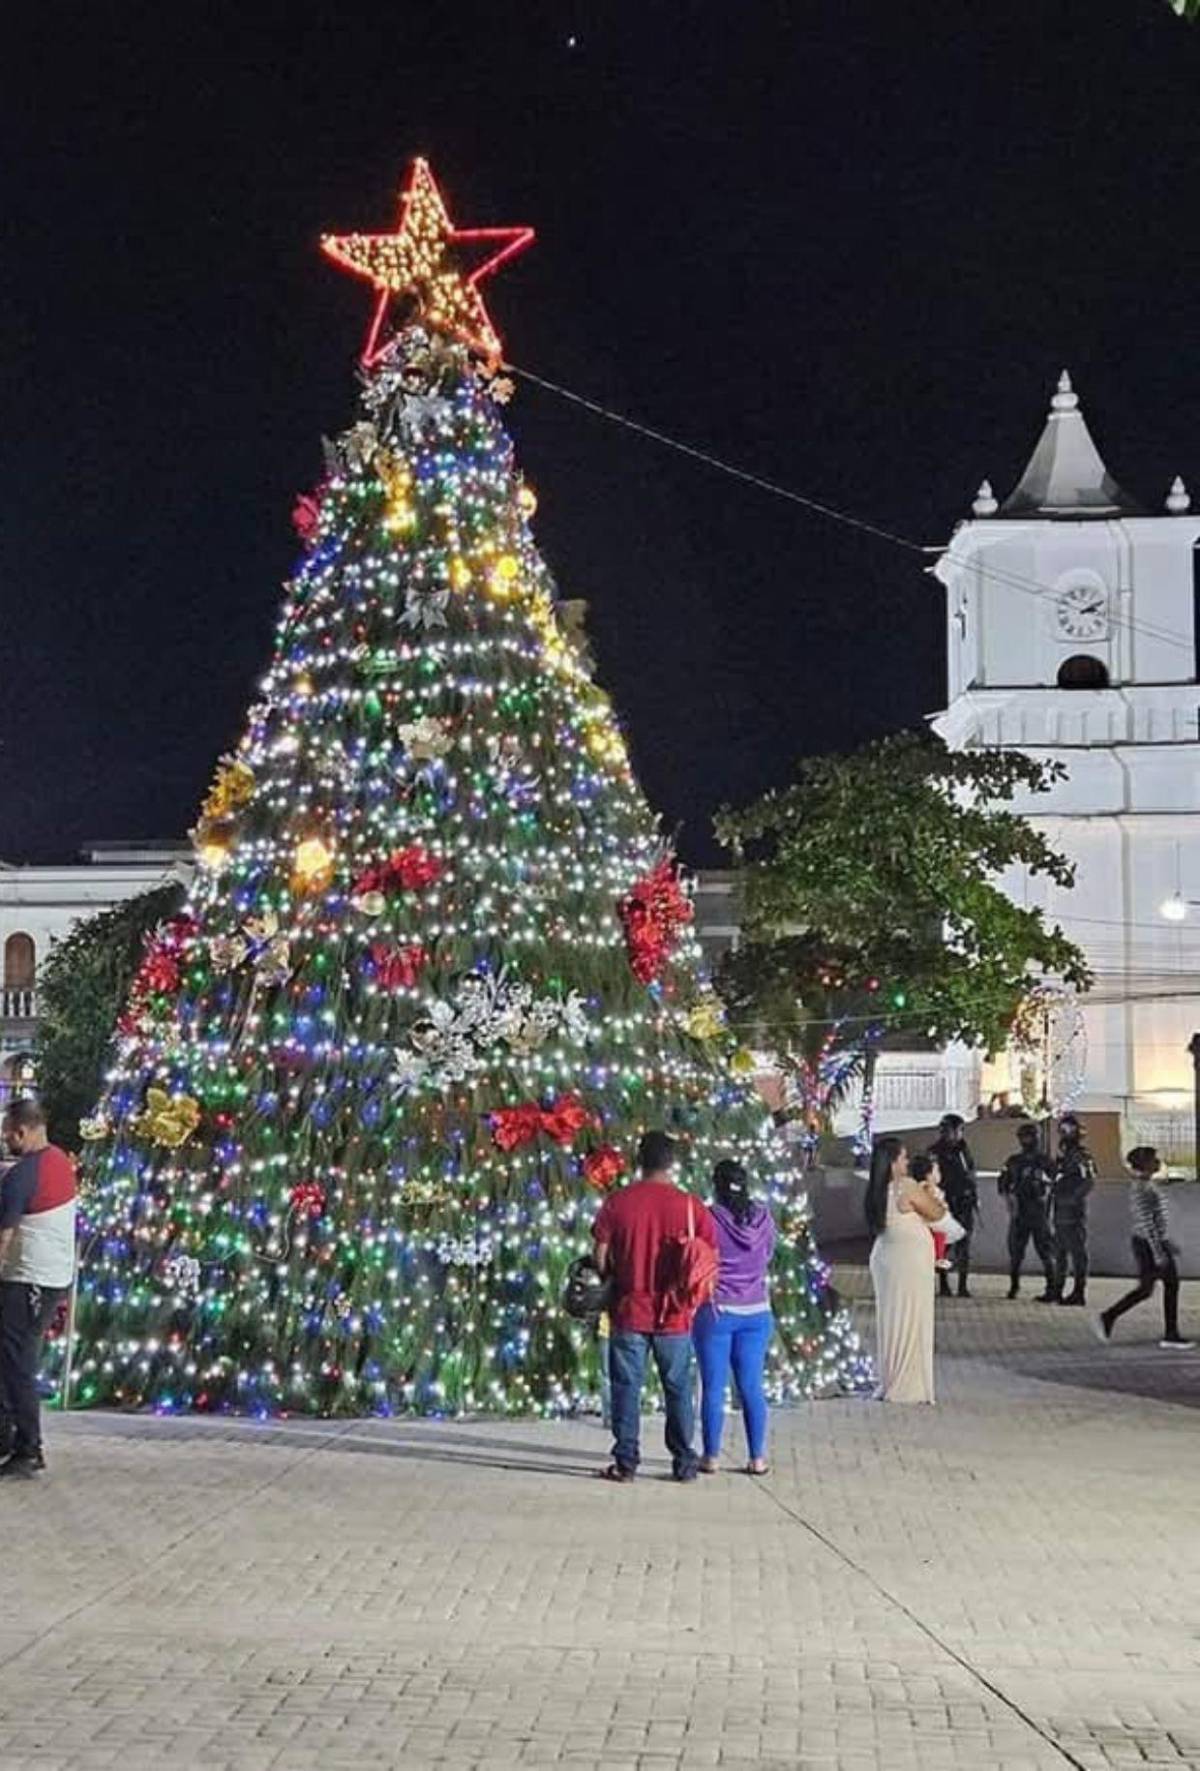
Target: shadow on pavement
x=457, y=1445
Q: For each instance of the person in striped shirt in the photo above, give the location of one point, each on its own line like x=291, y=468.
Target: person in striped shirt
x=1153, y=1251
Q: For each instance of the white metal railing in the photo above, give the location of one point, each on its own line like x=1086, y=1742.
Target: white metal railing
x=18, y=1005
x=924, y=1091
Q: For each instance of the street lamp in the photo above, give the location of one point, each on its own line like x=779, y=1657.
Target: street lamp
x=1176, y=907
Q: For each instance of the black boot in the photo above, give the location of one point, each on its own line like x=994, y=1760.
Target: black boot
x=1014, y=1288
x=1049, y=1296
x=944, y=1290
x=963, y=1292
x=1075, y=1297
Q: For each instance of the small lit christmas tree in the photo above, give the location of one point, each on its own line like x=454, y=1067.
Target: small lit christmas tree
x=436, y=972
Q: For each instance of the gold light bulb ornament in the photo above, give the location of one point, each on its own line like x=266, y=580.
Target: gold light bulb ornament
x=312, y=863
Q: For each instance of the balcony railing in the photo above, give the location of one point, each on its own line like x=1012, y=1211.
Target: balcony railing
x=18, y=1005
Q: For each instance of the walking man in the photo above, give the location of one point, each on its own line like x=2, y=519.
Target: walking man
x=37, y=1265
x=1025, y=1184
x=1153, y=1251
x=640, y=1234
x=957, y=1168
x=1074, y=1178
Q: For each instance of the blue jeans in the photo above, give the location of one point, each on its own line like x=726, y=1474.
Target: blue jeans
x=602, y=1345
x=722, y=1341
x=627, y=1370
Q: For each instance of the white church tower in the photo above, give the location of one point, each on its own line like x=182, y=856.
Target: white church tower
x=1072, y=635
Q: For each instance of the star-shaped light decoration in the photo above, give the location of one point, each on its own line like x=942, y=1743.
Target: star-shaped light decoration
x=422, y=263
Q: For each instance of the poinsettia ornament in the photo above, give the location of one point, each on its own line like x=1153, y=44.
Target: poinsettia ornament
x=603, y=1168
x=652, y=916
x=307, y=1199
x=396, y=968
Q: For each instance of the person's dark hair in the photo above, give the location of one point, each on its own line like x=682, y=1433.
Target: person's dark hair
x=921, y=1167
x=1142, y=1159
x=951, y=1122
x=656, y=1151
x=1028, y=1134
x=25, y=1113
x=883, y=1156
x=731, y=1184
x=1069, y=1119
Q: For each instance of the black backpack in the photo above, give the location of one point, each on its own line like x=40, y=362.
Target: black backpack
x=587, y=1293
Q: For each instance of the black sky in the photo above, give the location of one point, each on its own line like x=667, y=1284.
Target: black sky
x=848, y=244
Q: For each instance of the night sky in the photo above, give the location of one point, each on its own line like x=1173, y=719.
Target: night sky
x=846, y=244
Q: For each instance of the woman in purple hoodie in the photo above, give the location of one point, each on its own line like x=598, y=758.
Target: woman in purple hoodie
x=735, y=1329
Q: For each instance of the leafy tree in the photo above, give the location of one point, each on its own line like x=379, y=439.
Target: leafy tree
x=81, y=989
x=871, y=909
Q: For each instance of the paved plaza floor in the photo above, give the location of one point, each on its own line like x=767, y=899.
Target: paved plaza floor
x=1010, y=1580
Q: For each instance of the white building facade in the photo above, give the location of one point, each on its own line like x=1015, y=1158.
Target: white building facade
x=39, y=905
x=1072, y=636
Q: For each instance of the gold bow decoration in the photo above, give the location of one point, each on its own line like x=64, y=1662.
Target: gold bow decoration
x=705, y=1019
x=232, y=788
x=167, y=1119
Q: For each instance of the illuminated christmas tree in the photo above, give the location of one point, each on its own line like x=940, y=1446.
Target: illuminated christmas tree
x=436, y=972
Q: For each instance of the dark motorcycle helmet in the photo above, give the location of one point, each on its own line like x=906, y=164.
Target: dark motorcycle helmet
x=587, y=1294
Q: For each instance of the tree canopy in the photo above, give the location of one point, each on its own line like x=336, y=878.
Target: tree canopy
x=870, y=903
x=82, y=988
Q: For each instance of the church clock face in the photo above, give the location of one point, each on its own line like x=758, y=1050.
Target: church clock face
x=1081, y=613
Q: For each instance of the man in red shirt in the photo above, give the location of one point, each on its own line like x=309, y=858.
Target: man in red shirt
x=637, y=1234
x=37, y=1266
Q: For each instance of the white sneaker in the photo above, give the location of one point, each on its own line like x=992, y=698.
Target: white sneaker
x=1177, y=1346
x=1101, y=1329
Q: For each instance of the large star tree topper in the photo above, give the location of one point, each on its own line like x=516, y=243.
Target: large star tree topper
x=425, y=263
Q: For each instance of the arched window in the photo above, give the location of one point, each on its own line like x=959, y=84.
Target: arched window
x=20, y=963
x=1082, y=672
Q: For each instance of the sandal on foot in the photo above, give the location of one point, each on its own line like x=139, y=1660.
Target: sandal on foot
x=614, y=1473
x=751, y=1471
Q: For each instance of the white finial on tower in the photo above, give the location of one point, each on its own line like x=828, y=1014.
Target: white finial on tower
x=1066, y=399
x=1179, y=500
x=985, y=504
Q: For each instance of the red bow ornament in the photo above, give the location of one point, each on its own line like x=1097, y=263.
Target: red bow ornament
x=565, y=1120
x=408, y=870
x=514, y=1126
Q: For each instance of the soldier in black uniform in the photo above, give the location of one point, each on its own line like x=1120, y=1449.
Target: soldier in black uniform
x=1074, y=1178
x=1025, y=1182
x=957, y=1167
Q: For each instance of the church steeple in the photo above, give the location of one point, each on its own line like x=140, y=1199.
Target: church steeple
x=1066, y=476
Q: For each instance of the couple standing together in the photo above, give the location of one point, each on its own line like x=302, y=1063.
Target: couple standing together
x=659, y=1246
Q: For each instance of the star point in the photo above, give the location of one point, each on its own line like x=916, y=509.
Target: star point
x=422, y=263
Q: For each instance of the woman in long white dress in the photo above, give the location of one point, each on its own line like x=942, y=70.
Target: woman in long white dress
x=899, y=1213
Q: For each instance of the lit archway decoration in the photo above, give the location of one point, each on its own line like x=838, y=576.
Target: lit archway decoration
x=1049, y=1038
